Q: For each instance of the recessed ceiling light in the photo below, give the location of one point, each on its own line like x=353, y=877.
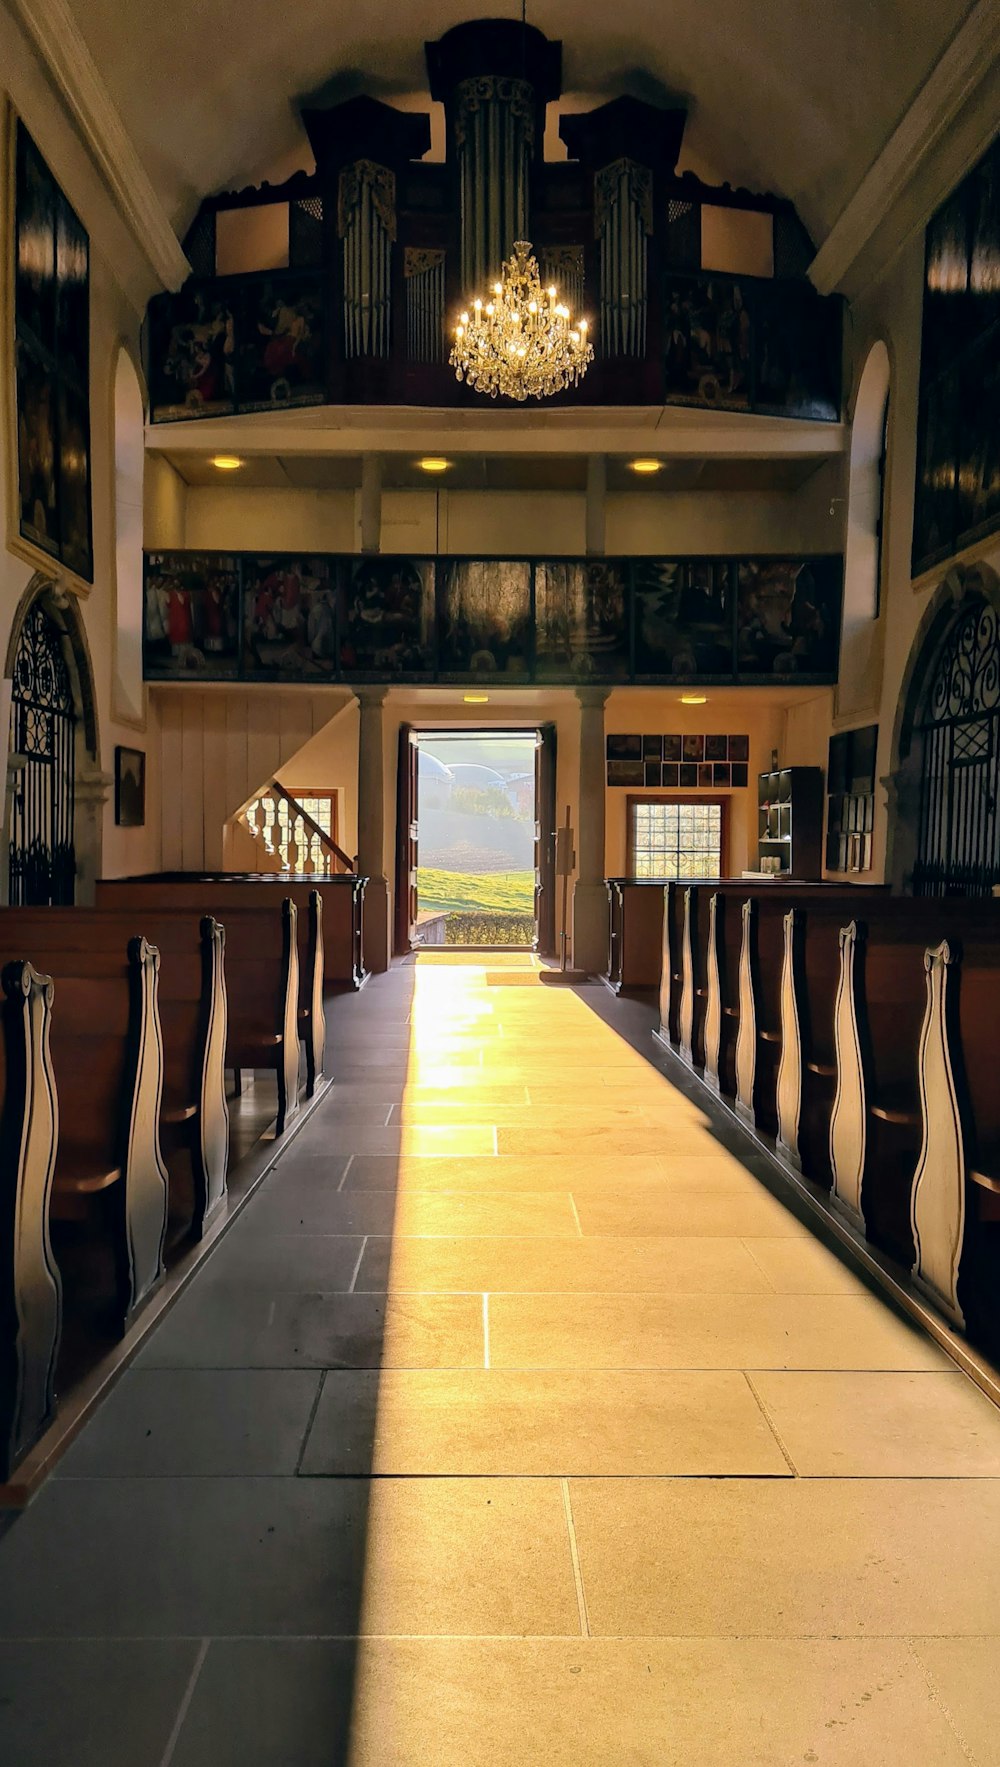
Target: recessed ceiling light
x=694, y=699
x=227, y=462
x=476, y=699
x=645, y=465
x=433, y=463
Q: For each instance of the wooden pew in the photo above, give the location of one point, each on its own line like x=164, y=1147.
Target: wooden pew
x=225, y=898
x=30, y=1283
x=636, y=941
x=955, y=1196
x=882, y=998
x=343, y=908
x=107, y=1060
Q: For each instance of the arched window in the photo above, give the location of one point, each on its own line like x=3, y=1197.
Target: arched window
x=129, y=460
x=958, y=728
x=866, y=488
x=863, y=560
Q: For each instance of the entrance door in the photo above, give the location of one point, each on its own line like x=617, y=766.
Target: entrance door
x=405, y=918
x=545, y=839
x=43, y=737
x=482, y=855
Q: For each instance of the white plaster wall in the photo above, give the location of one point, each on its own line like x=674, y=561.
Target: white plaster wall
x=121, y=282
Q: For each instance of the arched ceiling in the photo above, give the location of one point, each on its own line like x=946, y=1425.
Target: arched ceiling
x=794, y=96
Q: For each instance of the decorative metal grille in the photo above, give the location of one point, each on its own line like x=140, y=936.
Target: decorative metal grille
x=958, y=850
x=43, y=730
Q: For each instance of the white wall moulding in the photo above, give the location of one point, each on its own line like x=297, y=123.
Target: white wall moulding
x=54, y=32
x=893, y=200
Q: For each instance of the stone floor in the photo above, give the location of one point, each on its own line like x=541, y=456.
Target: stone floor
x=515, y=1421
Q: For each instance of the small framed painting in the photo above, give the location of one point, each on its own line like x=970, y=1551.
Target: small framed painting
x=130, y=788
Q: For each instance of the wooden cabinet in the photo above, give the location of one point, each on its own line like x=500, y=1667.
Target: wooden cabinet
x=790, y=822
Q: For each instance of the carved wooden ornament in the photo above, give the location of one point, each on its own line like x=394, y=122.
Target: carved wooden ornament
x=937, y=1200
x=849, y=1119
x=789, y=1084
x=713, y=998
x=746, y=1036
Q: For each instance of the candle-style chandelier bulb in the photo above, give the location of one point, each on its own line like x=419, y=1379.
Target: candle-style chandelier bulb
x=524, y=343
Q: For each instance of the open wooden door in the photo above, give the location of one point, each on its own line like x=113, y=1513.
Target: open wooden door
x=405, y=916
x=545, y=839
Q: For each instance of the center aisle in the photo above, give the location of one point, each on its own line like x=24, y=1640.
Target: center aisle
x=514, y=1422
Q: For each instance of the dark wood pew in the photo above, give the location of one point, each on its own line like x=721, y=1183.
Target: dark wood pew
x=30, y=1283
x=635, y=950
x=191, y=995
x=343, y=908
x=261, y=1034
x=876, y=1123
x=955, y=1200
x=107, y=1059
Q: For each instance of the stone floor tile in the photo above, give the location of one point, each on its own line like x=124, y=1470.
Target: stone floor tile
x=299, y=1261
x=217, y=1557
x=806, y=1267
x=962, y=1673
x=597, y=1137
x=91, y=1702
x=866, y=1425
x=705, y=1331
x=494, y=1421
x=788, y=1557
x=608, y=1266
x=230, y=1327
x=557, y=1703
x=412, y=1213
x=182, y=1423
x=646, y=1212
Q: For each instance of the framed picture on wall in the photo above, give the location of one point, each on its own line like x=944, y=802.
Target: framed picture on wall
x=51, y=287
x=130, y=788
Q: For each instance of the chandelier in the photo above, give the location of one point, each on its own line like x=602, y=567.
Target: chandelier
x=522, y=343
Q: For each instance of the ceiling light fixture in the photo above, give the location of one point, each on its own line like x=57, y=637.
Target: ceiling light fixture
x=694, y=699
x=647, y=466
x=522, y=342
x=433, y=463
x=227, y=462
x=476, y=699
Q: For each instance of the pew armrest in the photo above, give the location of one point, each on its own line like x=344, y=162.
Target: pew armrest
x=80, y=1173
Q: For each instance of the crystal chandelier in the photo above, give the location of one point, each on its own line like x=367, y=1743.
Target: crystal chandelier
x=522, y=343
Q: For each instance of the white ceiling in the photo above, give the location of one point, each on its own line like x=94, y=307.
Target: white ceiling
x=794, y=96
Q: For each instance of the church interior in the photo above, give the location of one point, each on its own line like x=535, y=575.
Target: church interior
x=500, y=885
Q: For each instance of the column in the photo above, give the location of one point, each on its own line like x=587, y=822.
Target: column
x=371, y=828
x=590, y=898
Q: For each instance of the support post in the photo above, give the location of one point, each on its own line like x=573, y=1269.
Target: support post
x=590, y=897
x=371, y=827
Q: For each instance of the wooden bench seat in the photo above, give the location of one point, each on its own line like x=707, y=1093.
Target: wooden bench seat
x=226, y=899
x=191, y=998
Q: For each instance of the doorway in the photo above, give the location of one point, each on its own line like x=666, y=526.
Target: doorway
x=476, y=828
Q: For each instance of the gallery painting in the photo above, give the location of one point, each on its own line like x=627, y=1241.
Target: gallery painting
x=52, y=365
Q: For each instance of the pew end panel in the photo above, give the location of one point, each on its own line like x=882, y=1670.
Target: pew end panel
x=30, y=1281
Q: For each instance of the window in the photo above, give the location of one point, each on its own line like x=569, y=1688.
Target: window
x=674, y=838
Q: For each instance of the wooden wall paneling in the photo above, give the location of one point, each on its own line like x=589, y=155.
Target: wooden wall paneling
x=214, y=779
x=713, y=997
x=938, y=1197
x=171, y=777
x=849, y=1119
x=234, y=757
x=789, y=1083
x=192, y=769
x=746, y=1036
x=263, y=739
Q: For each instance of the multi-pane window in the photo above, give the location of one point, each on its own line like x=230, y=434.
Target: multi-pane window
x=671, y=839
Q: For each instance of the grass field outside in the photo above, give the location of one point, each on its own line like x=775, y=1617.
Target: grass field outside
x=497, y=892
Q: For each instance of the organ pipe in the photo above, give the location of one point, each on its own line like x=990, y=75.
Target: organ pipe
x=623, y=221
x=366, y=224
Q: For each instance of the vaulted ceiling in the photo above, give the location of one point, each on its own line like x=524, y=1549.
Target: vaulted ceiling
x=794, y=96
